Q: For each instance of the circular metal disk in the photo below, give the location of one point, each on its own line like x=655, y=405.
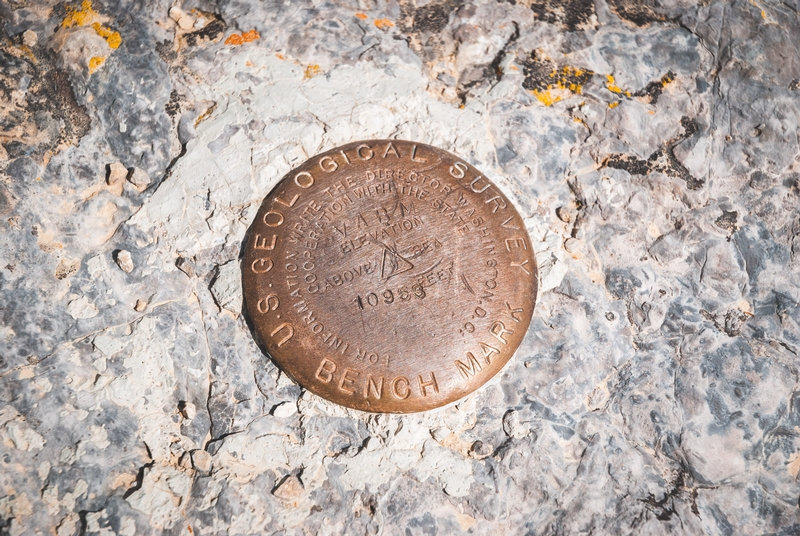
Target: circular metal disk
x=388, y=276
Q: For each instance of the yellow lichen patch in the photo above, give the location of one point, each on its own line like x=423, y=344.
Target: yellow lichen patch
x=384, y=24
x=755, y=5
x=362, y=16
x=95, y=63
x=613, y=104
x=571, y=78
x=79, y=17
x=252, y=35
x=667, y=78
x=113, y=38
x=234, y=40
x=85, y=16
x=547, y=97
x=560, y=83
x=551, y=82
x=311, y=71
x=614, y=88
x=242, y=38
x=205, y=115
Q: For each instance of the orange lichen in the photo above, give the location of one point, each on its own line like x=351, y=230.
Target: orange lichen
x=550, y=82
x=383, y=24
x=547, y=97
x=79, y=17
x=242, y=38
x=570, y=78
x=562, y=82
x=252, y=35
x=280, y=56
x=613, y=104
x=205, y=115
x=311, y=71
x=113, y=38
x=614, y=88
x=362, y=16
x=95, y=62
x=763, y=13
x=85, y=16
x=568, y=73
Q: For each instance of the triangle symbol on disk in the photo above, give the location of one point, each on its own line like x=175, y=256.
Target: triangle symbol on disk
x=393, y=264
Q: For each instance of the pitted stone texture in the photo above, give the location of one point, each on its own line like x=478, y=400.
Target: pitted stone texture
x=651, y=147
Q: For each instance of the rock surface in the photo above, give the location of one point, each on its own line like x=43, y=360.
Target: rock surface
x=651, y=146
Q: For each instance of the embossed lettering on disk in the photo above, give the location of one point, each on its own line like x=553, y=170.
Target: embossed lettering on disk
x=388, y=276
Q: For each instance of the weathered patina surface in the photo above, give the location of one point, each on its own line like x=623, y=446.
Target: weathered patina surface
x=388, y=276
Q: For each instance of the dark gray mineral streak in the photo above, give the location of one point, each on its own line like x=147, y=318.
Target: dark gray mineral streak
x=651, y=146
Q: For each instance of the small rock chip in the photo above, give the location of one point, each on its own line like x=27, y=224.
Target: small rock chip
x=140, y=306
x=116, y=173
x=372, y=444
x=338, y=444
x=29, y=38
x=186, y=22
x=440, y=433
x=760, y=180
x=564, y=214
x=82, y=308
x=124, y=261
x=572, y=245
x=513, y=426
x=201, y=460
x=115, y=177
x=185, y=461
x=66, y=268
x=290, y=490
x=185, y=265
x=187, y=409
x=284, y=410
x=140, y=179
x=175, y=13
x=480, y=450
x=227, y=287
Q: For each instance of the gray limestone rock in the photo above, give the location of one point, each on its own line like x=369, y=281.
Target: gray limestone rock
x=652, y=148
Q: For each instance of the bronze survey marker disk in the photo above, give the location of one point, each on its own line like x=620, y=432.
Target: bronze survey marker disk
x=389, y=276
